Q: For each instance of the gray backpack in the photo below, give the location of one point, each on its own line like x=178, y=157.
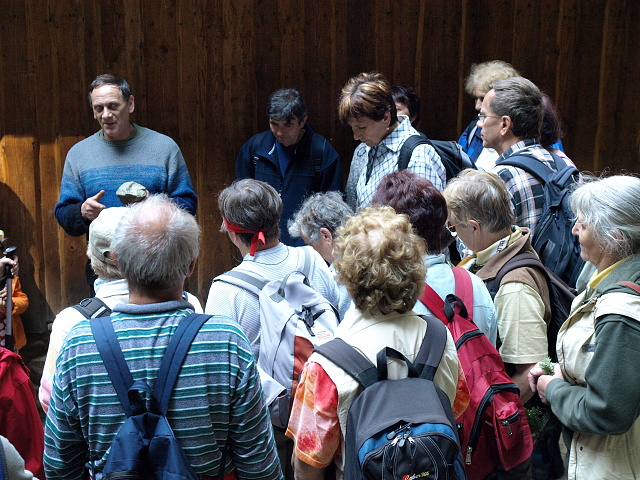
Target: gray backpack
x=294, y=318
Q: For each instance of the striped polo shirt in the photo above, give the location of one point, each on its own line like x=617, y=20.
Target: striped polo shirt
x=217, y=396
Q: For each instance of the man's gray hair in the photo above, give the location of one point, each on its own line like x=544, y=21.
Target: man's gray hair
x=155, y=244
x=321, y=210
x=521, y=100
x=611, y=207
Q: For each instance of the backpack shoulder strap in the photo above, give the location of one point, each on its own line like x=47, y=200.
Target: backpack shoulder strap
x=533, y=166
x=174, y=356
x=248, y=281
x=464, y=289
x=366, y=373
x=350, y=360
x=407, y=149
x=519, y=261
x=434, y=303
x=633, y=286
x=444, y=310
x=113, y=359
x=92, y=308
x=432, y=348
x=305, y=261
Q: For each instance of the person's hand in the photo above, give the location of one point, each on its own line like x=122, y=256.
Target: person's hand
x=535, y=373
x=538, y=380
x=3, y=299
x=4, y=261
x=92, y=207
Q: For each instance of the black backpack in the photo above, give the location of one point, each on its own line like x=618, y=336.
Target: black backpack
x=145, y=447
x=556, y=246
x=560, y=294
x=399, y=428
x=92, y=308
x=453, y=157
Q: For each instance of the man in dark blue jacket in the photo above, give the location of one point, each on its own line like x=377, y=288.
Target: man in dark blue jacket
x=290, y=157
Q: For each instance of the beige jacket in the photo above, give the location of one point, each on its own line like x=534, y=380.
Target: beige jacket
x=593, y=456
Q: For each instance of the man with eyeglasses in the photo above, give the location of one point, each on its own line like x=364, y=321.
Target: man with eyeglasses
x=510, y=117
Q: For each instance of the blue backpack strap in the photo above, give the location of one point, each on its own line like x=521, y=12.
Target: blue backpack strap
x=174, y=357
x=432, y=347
x=113, y=359
x=350, y=360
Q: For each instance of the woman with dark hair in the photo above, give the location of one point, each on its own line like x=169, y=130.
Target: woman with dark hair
x=426, y=208
x=407, y=103
x=551, y=132
x=366, y=104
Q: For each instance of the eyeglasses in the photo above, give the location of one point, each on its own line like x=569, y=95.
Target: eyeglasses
x=452, y=228
x=482, y=117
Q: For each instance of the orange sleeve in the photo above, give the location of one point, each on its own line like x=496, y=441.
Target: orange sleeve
x=314, y=424
x=463, y=397
x=19, y=298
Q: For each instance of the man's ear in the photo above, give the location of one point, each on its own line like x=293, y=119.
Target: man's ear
x=475, y=225
x=192, y=267
x=506, y=125
x=132, y=104
x=303, y=121
x=387, y=118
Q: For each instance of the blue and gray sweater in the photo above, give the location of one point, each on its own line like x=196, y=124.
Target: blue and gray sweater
x=149, y=158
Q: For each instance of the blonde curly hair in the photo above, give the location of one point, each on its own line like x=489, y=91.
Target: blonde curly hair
x=380, y=261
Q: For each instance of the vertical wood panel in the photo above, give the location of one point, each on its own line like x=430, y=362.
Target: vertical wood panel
x=615, y=111
x=439, y=88
x=580, y=45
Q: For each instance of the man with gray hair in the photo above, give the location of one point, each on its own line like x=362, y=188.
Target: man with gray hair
x=111, y=290
x=216, y=405
x=510, y=118
x=290, y=156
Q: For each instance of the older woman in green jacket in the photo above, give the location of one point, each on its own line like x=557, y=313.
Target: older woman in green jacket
x=595, y=391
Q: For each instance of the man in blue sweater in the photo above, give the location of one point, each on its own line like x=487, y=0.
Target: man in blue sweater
x=119, y=152
x=290, y=157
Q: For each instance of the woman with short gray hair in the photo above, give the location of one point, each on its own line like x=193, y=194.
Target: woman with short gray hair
x=317, y=222
x=595, y=389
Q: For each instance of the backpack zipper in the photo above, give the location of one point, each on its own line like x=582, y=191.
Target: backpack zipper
x=477, y=423
x=467, y=336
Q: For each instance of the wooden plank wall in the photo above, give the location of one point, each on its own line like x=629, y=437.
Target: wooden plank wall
x=201, y=72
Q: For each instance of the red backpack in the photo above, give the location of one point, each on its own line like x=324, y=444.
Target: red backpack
x=493, y=429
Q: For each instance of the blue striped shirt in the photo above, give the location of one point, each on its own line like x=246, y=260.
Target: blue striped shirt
x=217, y=398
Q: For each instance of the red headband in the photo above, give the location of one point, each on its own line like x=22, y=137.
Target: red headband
x=257, y=236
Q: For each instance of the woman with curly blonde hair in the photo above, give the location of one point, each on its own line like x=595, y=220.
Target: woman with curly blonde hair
x=379, y=259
